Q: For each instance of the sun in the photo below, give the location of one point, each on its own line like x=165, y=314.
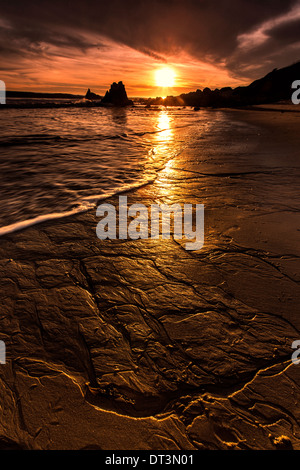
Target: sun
x=165, y=77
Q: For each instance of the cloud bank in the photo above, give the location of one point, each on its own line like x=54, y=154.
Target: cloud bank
x=245, y=37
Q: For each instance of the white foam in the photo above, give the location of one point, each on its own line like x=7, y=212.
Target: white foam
x=86, y=204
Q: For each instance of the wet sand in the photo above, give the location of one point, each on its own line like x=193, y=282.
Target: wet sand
x=143, y=345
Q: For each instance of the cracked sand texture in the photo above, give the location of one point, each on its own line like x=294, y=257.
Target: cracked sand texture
x=143, y=345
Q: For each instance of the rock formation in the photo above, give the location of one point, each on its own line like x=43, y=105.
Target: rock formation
x=92, y=96
x=117, y=96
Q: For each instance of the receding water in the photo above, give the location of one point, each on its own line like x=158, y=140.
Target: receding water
x=59, y=161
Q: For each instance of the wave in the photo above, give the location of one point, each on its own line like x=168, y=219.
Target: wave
x=85, y=154
x=49, y=139
x=86, y=204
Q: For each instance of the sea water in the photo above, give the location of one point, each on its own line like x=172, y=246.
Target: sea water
x=59, y=161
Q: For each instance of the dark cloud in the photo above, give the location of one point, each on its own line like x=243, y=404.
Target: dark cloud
x=286, y=33
x=207, y=30
x=275, y=43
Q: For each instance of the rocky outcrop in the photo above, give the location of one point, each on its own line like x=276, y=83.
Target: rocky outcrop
x=92, y=96
x=117, y=96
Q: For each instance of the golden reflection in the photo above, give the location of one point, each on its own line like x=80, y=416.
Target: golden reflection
x=162, y=141
x=164, y=149
x=165, y=134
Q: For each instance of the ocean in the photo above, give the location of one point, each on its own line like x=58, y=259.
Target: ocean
x=59, y=161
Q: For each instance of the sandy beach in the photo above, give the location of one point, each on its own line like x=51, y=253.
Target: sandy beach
x=140, y=344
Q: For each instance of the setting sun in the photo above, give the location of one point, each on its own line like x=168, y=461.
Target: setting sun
x=165, y=77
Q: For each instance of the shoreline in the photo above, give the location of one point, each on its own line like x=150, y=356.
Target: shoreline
x=243, y=114
x=24, y=224
x=281, y=107
x=153, y=346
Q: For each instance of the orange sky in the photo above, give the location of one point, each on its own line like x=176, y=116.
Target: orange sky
x=57, y=71
x=69, y=46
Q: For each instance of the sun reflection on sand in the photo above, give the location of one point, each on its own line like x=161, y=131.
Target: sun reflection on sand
x=164, y=142
x=165, y=134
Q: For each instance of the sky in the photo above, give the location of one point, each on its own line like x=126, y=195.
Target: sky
x=72, y=45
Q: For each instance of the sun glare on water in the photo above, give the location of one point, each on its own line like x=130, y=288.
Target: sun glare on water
x=165, y=77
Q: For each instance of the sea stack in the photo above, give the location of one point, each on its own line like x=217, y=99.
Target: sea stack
x=117, y=96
